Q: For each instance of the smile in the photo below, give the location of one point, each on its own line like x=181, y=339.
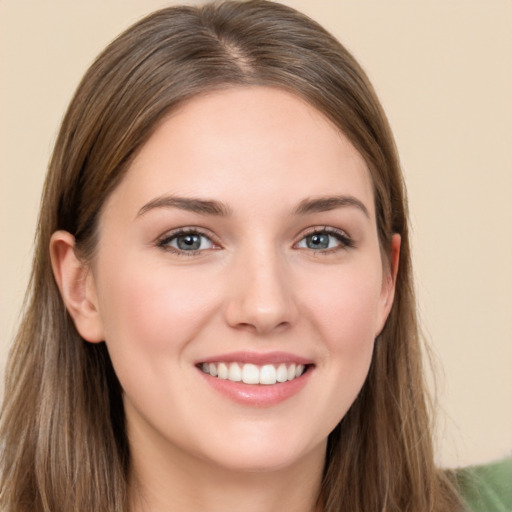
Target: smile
x=249, y=373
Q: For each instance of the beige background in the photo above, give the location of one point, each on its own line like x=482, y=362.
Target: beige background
x=443, y=71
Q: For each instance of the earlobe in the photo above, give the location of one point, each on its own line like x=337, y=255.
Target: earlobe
x=389, y=281
x=76, y=286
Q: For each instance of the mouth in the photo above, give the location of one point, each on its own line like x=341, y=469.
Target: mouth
x=249, y=373
x=254, y=379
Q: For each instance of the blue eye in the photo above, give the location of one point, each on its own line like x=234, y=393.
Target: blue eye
x=325, y=240
x=186, y=241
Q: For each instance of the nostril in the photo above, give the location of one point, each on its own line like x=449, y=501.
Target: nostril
x=261, y=302
x=261, y=328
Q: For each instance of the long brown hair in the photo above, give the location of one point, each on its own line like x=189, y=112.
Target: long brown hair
x=64, y=445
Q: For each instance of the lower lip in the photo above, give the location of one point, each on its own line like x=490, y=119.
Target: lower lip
x=258, y=395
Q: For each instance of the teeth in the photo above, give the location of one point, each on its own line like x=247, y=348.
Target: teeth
x=252, y=374
x=235, y=373
x=282, y=373
x=267, y=374
x=222, y=371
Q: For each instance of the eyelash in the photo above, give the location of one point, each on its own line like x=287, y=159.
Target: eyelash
x=164, y=242
x=345, y=242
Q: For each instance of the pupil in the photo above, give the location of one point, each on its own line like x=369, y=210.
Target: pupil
x=319, y=241
x=188, y=242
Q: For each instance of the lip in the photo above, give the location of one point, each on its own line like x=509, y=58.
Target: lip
x=258, y=358
x=258, y=395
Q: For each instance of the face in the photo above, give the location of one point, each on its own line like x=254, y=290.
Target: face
x=239, y=283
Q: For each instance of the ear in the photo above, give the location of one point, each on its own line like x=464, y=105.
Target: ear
x=389, y=282
x=76, y=284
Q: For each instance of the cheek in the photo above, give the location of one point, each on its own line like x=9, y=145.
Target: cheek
x=345, y=306
x=346, y=316
x=150, y=321
x=341, y=308
x=150, y=309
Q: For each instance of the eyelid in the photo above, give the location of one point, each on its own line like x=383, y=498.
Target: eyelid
x=346, y=241
x=163, y=239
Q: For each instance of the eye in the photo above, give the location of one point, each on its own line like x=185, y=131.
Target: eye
x=325, y=240
x=183, y=241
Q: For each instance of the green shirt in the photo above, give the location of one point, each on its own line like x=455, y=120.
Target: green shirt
x=487, y=488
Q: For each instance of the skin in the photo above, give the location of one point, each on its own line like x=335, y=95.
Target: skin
x=255, y=285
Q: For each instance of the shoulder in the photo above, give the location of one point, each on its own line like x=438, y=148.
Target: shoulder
x=487, y=488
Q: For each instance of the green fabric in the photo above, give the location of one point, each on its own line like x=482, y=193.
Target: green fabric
x=487, y=488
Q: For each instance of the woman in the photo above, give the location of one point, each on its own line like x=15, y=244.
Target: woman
x=222, y=310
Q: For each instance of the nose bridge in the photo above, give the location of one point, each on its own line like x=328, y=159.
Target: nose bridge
x=261, y=296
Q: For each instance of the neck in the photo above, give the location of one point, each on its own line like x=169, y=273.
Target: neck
x=158, y=484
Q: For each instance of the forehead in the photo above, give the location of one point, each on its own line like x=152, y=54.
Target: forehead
x=248, y=145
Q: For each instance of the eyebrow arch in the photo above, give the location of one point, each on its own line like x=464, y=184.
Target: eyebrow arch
x=201, y=206
x=324, y=204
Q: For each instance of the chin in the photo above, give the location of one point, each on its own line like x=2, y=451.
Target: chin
x=260, y=455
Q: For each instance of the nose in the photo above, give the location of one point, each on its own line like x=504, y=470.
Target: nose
x=261, y=297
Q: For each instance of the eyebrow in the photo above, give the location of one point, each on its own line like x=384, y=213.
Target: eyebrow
x=219, y=209
x=324, y=204
x=201, y=206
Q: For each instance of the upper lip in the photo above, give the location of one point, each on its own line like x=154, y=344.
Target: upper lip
x=258, y=358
